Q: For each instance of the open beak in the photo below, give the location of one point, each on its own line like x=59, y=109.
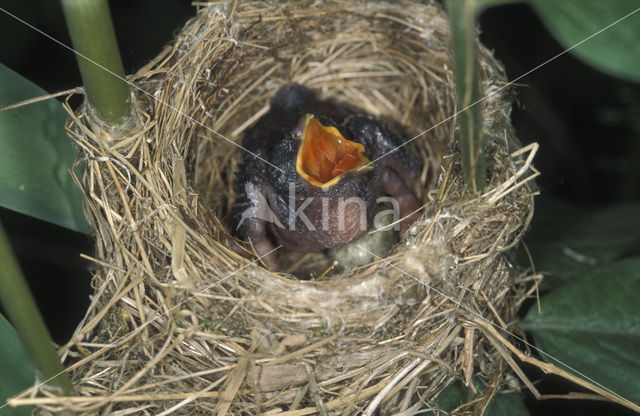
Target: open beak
x=324, y=155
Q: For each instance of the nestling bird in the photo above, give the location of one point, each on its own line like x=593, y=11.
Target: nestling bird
x=324, y=191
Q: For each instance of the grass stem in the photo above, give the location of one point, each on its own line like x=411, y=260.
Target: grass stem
x=93, y=37
x=26, y=319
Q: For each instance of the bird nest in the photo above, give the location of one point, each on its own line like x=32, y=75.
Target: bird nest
x=181, y=323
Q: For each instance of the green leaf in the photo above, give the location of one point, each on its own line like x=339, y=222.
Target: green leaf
x=507, y=404
x=16, y=371
x=36, y=156
x=483, y=4
x=453, y=396
x=567, y=241
x=614, y=50
x=592, y=325
x=502, y=404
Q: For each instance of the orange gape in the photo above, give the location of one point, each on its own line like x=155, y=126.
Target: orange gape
x=325, y=155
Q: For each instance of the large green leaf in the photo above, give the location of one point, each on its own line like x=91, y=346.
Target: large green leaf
x=36, y=156
x=567, y=241
x=614, y=50
x=16, y=371
x=592, y=324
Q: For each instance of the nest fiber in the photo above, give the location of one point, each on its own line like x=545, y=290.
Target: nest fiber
x=181, y=324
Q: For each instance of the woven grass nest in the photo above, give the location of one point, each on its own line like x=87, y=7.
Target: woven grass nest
x=179, y=323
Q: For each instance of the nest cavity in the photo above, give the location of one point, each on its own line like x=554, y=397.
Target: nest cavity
x=179, y=323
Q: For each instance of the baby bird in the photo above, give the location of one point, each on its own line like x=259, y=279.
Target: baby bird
x=310, y=180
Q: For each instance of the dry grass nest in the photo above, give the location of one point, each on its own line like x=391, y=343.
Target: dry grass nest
x=181, y=324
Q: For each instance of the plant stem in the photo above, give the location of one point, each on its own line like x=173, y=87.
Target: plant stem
x=462, y=20
x=93, y=37
x=25, y=317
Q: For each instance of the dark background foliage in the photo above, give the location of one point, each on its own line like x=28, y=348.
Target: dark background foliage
x=587, y=124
